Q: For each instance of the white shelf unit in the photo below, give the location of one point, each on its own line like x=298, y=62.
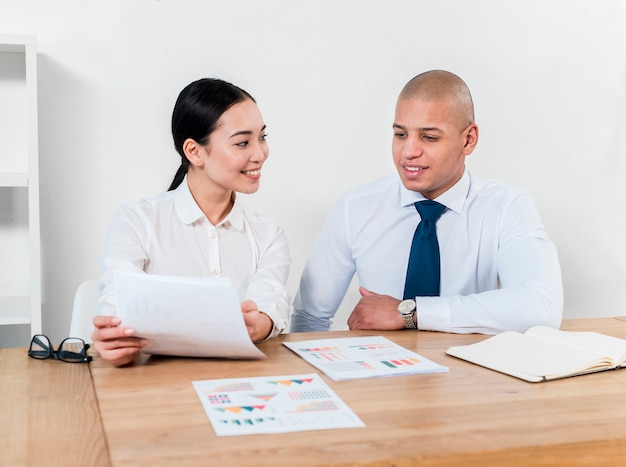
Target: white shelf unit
x=20, y=243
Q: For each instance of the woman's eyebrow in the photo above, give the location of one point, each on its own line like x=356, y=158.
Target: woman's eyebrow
x=239, y=133
x=245, y=132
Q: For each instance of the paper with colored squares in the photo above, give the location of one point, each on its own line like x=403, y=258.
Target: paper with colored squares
x=273, y=404
x=362, y=357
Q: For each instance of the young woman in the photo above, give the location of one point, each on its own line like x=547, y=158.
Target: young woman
x=199, y=227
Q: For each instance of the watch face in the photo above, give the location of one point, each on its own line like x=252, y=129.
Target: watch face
x=406, y=307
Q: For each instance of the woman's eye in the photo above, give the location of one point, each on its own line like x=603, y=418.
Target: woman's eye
x=242, y=144
x=263, y=137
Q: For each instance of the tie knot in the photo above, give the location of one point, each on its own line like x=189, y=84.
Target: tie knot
x=430, y=210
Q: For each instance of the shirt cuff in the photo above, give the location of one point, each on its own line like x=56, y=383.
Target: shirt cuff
x=433, y=313
x=276, y=328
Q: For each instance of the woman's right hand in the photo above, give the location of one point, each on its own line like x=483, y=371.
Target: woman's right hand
x=115, y=344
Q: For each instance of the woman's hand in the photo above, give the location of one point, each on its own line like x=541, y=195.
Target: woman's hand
x=259, y=325
x=115, y=344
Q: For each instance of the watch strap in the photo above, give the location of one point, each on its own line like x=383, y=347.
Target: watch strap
x=409, y=322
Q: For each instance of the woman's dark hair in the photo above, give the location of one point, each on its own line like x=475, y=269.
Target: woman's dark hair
x=196, y=112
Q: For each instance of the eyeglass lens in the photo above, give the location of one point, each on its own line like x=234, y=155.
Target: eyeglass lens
x=72, y=349
x=40, y=347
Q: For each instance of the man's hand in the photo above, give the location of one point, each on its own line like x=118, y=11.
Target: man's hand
x=376, y=311
x=115, y=344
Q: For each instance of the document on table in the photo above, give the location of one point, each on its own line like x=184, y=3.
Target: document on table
x=273, y=404
x=362, y=357
x=184, y=316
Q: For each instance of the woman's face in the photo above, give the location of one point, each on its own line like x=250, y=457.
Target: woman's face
x=236, y=150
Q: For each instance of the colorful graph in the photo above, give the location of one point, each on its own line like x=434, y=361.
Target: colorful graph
x=330, y=356
x=265, y=397
x=320, y=406
x=238, y=409
x=289, y=382
x=319, y=349
x=401, y=362
x=347, y=366
x=366, y=346
x=242, y=386
x=249, y=421
x=303, y=395
x=219, y=399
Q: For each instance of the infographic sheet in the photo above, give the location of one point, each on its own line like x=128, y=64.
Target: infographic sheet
x=362, y=357
x=273, y=404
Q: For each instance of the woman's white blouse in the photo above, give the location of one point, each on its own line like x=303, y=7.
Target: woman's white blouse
x=169, y=235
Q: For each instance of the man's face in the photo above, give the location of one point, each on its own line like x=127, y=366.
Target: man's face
x=430, y=142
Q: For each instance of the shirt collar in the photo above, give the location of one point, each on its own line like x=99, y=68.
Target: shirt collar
x=235, y=216
x=189, y=212
x=454, y=198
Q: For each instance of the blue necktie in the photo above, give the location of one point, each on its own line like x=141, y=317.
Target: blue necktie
x=423, y=271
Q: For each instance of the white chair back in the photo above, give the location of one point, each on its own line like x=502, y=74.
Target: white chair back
x=85, y=301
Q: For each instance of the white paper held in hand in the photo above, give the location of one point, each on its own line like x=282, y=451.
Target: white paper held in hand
x=184, y=316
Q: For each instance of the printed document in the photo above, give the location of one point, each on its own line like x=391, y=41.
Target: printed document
x=362, y=357
x=184, y=316
x=273, y=404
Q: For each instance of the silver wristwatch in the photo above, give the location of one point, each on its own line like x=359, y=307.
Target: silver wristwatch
x=407, y=311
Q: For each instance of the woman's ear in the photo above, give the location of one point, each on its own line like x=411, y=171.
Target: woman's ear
x=193, y=151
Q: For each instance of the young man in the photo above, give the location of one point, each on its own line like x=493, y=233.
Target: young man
x=496, y=269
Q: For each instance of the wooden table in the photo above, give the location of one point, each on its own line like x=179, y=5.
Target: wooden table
x=150, y=414
x=49, y=413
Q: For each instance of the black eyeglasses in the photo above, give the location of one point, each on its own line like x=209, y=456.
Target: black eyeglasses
x=71, y=350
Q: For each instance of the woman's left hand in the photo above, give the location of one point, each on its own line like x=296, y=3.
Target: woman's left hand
x=259, y=325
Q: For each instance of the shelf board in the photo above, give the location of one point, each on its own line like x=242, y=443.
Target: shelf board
x=14, y=310
x=13, y=179
x=15, y=42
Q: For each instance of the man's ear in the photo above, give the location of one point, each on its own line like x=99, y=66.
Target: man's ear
x=471, y=139
x=193, y=151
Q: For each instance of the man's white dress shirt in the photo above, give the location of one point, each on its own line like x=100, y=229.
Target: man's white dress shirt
x=499, y=271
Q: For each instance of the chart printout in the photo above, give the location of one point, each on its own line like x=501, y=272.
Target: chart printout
x=362, y=357
x=273, y=404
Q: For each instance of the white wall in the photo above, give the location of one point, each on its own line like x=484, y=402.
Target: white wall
x=548, y=79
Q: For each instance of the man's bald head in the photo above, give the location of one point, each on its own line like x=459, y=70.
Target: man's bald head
x=442, y=85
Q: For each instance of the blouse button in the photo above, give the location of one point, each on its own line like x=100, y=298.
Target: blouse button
x=213, y=235
x=216, y=272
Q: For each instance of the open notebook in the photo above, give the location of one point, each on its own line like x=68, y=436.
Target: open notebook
x=543, y=353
